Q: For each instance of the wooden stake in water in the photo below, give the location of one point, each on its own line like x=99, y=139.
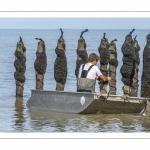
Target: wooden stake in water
x=104, y=60
x=60, y=65
x=134, y=87
x=20, y=66
x=113, y=63
x=128, y=68
x=82, y=56
x=40, y=64
x=145, y=80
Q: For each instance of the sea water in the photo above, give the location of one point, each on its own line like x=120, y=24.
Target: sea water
x=15, y=116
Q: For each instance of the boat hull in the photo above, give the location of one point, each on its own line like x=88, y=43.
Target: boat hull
x=83, y=103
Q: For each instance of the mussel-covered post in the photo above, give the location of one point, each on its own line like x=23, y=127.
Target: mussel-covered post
x=134, y=87
x=60, y=65
x=20, y=66
x=82, y=56
x=113, y=63
x=40, y=64
x=145, y=81
x=127, y=70
x=104, y=60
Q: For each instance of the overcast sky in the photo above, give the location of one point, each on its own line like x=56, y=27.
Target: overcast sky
x=74, y=23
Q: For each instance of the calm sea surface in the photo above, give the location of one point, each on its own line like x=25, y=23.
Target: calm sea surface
x=14, y=115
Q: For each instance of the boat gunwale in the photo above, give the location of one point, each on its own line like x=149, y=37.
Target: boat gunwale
x=63, y=91
x=97, y=96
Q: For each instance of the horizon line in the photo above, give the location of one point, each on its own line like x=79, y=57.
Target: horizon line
x=71, y=29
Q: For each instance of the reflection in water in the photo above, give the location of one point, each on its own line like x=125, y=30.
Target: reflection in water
x=52, y=122
x=20, y=119
x=19, y=115
x=59, y=122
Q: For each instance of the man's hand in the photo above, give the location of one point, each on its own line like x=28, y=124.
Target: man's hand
x=108, y=78
x=97, y=78
x=103, y=78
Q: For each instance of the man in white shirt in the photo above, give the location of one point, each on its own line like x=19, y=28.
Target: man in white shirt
x=88, y=73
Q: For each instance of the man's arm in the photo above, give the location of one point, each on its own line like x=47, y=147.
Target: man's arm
x=104, y=78
x=101, y=76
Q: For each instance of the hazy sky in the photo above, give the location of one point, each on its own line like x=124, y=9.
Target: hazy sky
x=74, y=23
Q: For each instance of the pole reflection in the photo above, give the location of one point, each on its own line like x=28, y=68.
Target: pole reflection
x=19, y=114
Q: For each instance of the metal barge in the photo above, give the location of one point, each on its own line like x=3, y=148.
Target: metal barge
x=85, y=103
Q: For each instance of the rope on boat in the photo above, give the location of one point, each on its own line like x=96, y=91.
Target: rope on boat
x=102, y=97
x=126, y=99
x=143, y=112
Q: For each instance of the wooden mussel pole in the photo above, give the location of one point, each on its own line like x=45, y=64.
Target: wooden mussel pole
x=113, y=63
x=20, y=66
x=82, y=56
x=60, y=65
x=127, y=70
x=40, y=64
x=145, y=80
x=134, y=87
x=104, y=60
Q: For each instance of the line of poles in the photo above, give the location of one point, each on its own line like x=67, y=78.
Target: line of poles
x=108, y=64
